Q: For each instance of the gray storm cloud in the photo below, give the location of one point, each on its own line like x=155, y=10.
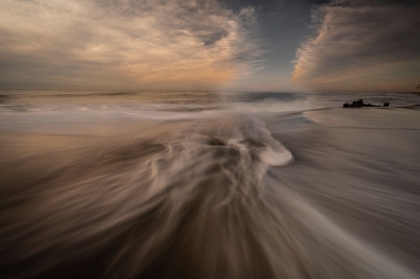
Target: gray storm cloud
x=125, y=43
x=362, y=45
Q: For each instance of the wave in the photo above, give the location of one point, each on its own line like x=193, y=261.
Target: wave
x=186, y=201
x=200, y=194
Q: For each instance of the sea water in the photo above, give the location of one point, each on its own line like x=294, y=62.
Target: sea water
x=149, y=184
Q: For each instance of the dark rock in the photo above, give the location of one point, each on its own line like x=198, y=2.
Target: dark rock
x=360, y=103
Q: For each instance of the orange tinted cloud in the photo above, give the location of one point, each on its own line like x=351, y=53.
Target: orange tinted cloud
x=361, y=46
x=125, y=44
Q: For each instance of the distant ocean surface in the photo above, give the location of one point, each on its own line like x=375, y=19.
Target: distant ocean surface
x=148, y=184
x=34, y=100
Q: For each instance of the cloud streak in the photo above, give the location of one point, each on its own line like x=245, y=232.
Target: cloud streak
x=166, y=44
x=361, y=45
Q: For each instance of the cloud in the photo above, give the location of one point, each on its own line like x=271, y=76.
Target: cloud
x=362, y=45
x=163, y=44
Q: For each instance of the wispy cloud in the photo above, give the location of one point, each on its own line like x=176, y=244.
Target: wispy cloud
x=125, y=43
x=362, y=45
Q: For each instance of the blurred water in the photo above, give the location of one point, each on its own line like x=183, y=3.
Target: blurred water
x=36, y=100
x=208, y=185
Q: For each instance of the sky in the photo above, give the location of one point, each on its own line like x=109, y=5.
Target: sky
x=220, y=45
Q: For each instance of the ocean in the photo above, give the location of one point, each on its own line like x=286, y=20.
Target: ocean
x=151, y=184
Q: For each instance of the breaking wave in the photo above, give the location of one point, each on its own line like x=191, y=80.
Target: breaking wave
x=188, y=202
x=97, y=188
